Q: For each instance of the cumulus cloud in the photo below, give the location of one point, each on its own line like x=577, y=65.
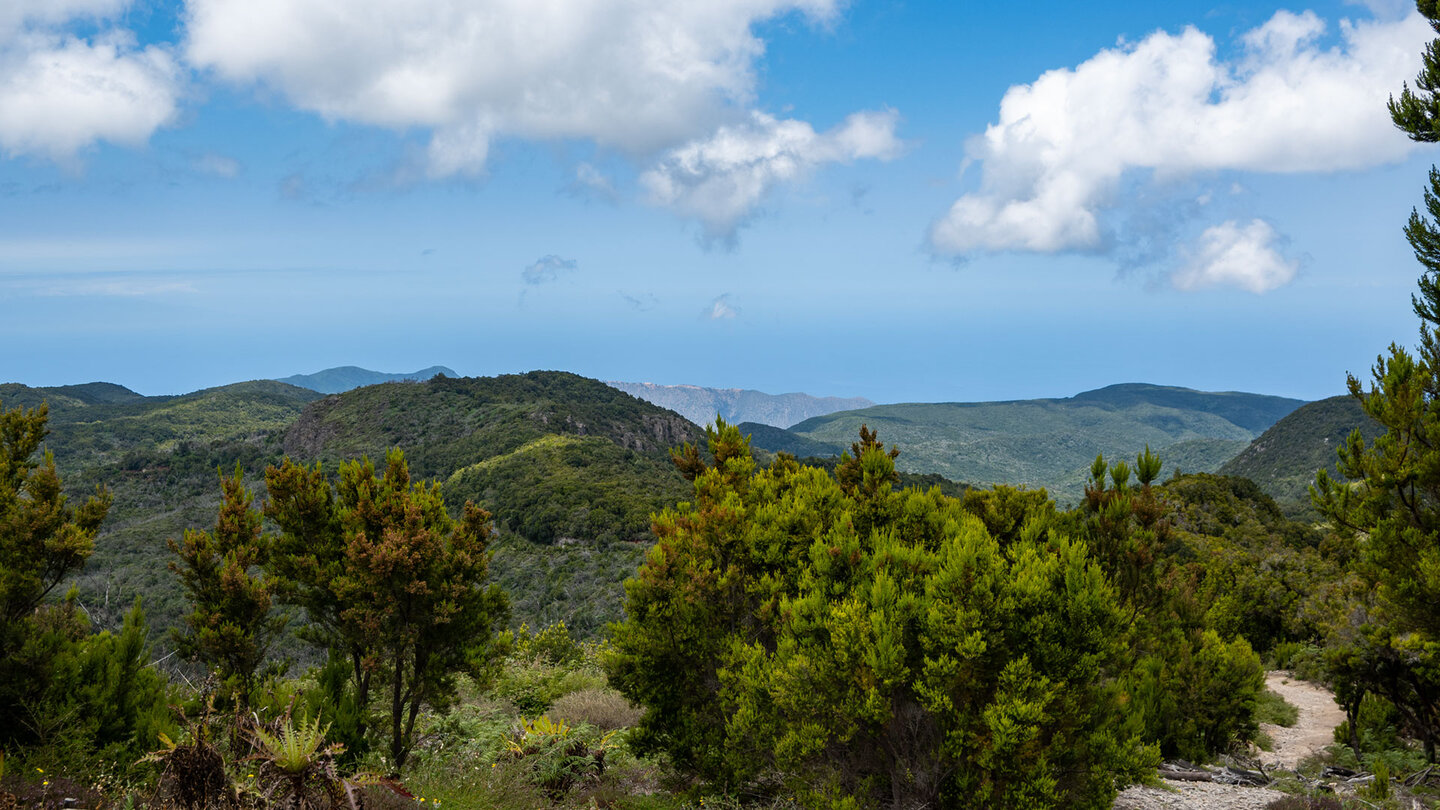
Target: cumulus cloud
x=720, y=179
x=638, y=75
x=547, y=269
x=1237, y=256
x=61, y=93
x=1166, y=105
x=721, y=309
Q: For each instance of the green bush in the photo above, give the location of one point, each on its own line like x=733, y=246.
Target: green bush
x=879, y=647
x=556, y=756
x=534, y=684
x=1274, y=709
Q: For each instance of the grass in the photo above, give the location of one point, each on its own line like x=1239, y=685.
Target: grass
x=1274, y=709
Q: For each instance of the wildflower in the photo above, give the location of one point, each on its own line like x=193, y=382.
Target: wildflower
x=46, y=783
x=41, y=770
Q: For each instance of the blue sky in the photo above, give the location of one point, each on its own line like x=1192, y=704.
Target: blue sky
x=900, y=200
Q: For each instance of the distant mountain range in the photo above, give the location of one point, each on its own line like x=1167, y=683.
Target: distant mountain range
x=340, y=379
x=700, y=405
x=1050, y=443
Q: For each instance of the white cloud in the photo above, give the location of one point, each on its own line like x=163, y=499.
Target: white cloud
x=720, y=179
x=721, y=309
x=15, y=14
x=592, y=184
x=638, y=75
x=547, y=269
x=218, y=165
x=1235, y=256
x=60, y=93
x=1052, y=163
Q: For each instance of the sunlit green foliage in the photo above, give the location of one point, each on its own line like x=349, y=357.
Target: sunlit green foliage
x=571, y=488
x=231, y=626
x=389, y=580
x=871, y=643
x=1193, y=690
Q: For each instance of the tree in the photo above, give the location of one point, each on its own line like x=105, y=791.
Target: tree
x=1391, y=503
x=390, y=580
x=872, y=645
x=42, y=541
x=231, y=625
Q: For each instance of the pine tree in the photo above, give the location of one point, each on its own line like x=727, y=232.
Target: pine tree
x=1392, y=501
x=395, y=584
x=231, y=625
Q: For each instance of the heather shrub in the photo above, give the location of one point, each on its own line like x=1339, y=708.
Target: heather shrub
x=602, y=708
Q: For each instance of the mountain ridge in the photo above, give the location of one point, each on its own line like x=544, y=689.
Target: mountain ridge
x=700, y=404
x=1050, y=443
x=339, y=379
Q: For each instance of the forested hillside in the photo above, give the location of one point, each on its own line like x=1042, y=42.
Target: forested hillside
x=555, y=457
x=1050, y=442
x=1284, y=459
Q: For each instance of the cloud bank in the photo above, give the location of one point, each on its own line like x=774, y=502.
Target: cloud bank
x=639, y=75
x=1052, y=164
x=667, y=78
x=61, y=93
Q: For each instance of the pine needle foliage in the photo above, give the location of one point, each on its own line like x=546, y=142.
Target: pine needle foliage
x=862, y=645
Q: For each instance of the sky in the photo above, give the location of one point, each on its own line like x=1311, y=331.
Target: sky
x=906, y=201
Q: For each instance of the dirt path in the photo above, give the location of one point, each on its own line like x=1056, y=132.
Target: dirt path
x=1313, y=730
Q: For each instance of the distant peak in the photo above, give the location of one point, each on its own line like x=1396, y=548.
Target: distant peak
x=344, y=378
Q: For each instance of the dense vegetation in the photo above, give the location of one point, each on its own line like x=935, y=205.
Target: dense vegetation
x=554, y=457
x=1049, y=443
x=1284, y=459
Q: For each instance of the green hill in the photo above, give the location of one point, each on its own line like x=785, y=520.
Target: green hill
x=1284, y=459
x=560, y=460
x=780, y=440
x=1050, y=443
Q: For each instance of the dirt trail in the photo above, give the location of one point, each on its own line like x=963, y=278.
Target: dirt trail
x=1313, y=730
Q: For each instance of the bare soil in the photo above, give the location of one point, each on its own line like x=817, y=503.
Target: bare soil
x=1313, y=730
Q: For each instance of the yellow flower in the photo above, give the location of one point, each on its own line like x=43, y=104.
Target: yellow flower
x=41, y=770
x=46, y=783
x=249, y=776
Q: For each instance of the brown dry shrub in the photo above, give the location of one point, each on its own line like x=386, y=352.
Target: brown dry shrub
x=603, y=708
x=194, y=778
